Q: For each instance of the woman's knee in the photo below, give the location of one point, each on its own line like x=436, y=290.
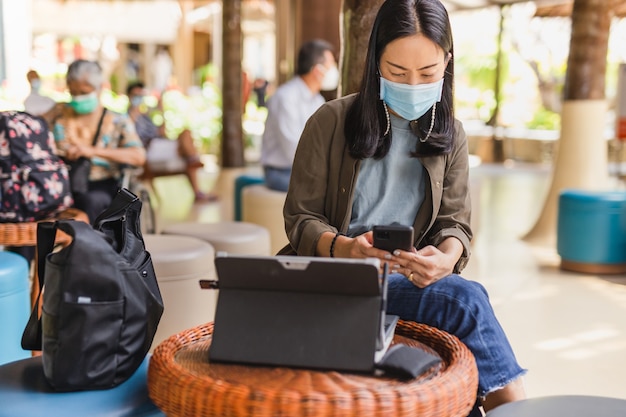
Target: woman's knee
x=445, y=304
x=452, y=287
x=461, y=289
x=461, y=295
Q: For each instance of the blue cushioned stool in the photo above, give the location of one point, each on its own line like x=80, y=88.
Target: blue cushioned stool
x=25, y=392
x=591, y=231
x=14, y=305
x=240, y=182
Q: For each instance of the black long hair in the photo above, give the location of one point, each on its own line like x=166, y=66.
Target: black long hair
x=366, y=122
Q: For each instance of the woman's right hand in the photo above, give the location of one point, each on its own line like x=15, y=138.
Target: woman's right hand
x=361, y=247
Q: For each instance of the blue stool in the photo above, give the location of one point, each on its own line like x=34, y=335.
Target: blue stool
x=240, y=182
x=591, y=231
x=24, y=391
x=14, y=306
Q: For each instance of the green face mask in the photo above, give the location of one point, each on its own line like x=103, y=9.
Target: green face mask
x=85, y=103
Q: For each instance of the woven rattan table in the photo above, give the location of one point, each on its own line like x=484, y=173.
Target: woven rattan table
x=182, y=382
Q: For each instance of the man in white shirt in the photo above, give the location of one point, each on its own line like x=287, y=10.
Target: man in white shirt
x=35, y=103
x=291, y=106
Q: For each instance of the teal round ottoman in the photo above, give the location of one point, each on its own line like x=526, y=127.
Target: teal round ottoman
x=241, y=182
x=14, y=306
x=591, y=231
x=24, y=391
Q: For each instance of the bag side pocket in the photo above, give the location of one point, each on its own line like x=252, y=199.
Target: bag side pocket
x=94, y=329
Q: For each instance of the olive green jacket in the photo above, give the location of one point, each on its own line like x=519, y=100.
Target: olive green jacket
x=324, y=176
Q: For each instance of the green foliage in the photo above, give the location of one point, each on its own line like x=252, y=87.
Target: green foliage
x=479, y=103
x=545, y=119
x=612, y=72
x=478, y=74
x=478, y=71
x=116, y=102
x=201, y=113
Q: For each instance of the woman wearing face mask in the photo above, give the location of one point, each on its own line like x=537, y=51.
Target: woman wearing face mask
x=87, y=129
x=291, y=105
x=393, y=153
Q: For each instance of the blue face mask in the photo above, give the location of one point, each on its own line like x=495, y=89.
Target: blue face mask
x=410, y=101
x=136, y=101
x=35, y=84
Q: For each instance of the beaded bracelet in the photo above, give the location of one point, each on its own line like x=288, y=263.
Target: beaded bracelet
x=332, y=245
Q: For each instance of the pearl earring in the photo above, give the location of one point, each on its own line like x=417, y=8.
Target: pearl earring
x=432, y=124
x=386, y=115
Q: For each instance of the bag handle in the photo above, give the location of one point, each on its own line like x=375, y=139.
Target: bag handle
x=95, y=137
x=123, y=199
x=46, y=235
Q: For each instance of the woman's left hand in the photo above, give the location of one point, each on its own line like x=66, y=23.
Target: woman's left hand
x=427, y=265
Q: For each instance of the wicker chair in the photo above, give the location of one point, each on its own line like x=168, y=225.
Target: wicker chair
x=25, y=234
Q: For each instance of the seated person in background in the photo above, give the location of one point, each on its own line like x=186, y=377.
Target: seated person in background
x=291, y=106
x=36, y=104
x=83, y=119
x=160, y=148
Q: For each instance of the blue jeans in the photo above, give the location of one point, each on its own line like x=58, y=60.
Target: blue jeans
x=277, y=178
x=462, y=308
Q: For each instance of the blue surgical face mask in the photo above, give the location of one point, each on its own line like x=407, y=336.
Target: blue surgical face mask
x=410, y=101
x=35, y=84
x=85, y=103
x=136, y=101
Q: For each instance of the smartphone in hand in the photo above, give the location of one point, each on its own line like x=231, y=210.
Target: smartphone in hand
x=393, y=237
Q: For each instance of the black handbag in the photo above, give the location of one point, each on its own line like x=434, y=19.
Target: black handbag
x=80, y=168
x=101, y=300
x=79, y=175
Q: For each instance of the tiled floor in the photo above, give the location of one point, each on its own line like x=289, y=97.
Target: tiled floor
x=568, y=329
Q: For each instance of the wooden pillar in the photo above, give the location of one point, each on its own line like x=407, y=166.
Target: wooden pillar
x=182, y=50
x=581, y=160
x=120, y=70
x=319, y=20
x=148, y=51
x=285, y=39
x=232, y=130
x=358, y=19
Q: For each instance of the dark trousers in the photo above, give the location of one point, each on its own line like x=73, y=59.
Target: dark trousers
x=98, y=198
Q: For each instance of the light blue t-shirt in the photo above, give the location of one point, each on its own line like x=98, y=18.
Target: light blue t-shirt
x=389, y=190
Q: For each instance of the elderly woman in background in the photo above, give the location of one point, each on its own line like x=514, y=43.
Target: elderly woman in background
x=87, y=129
